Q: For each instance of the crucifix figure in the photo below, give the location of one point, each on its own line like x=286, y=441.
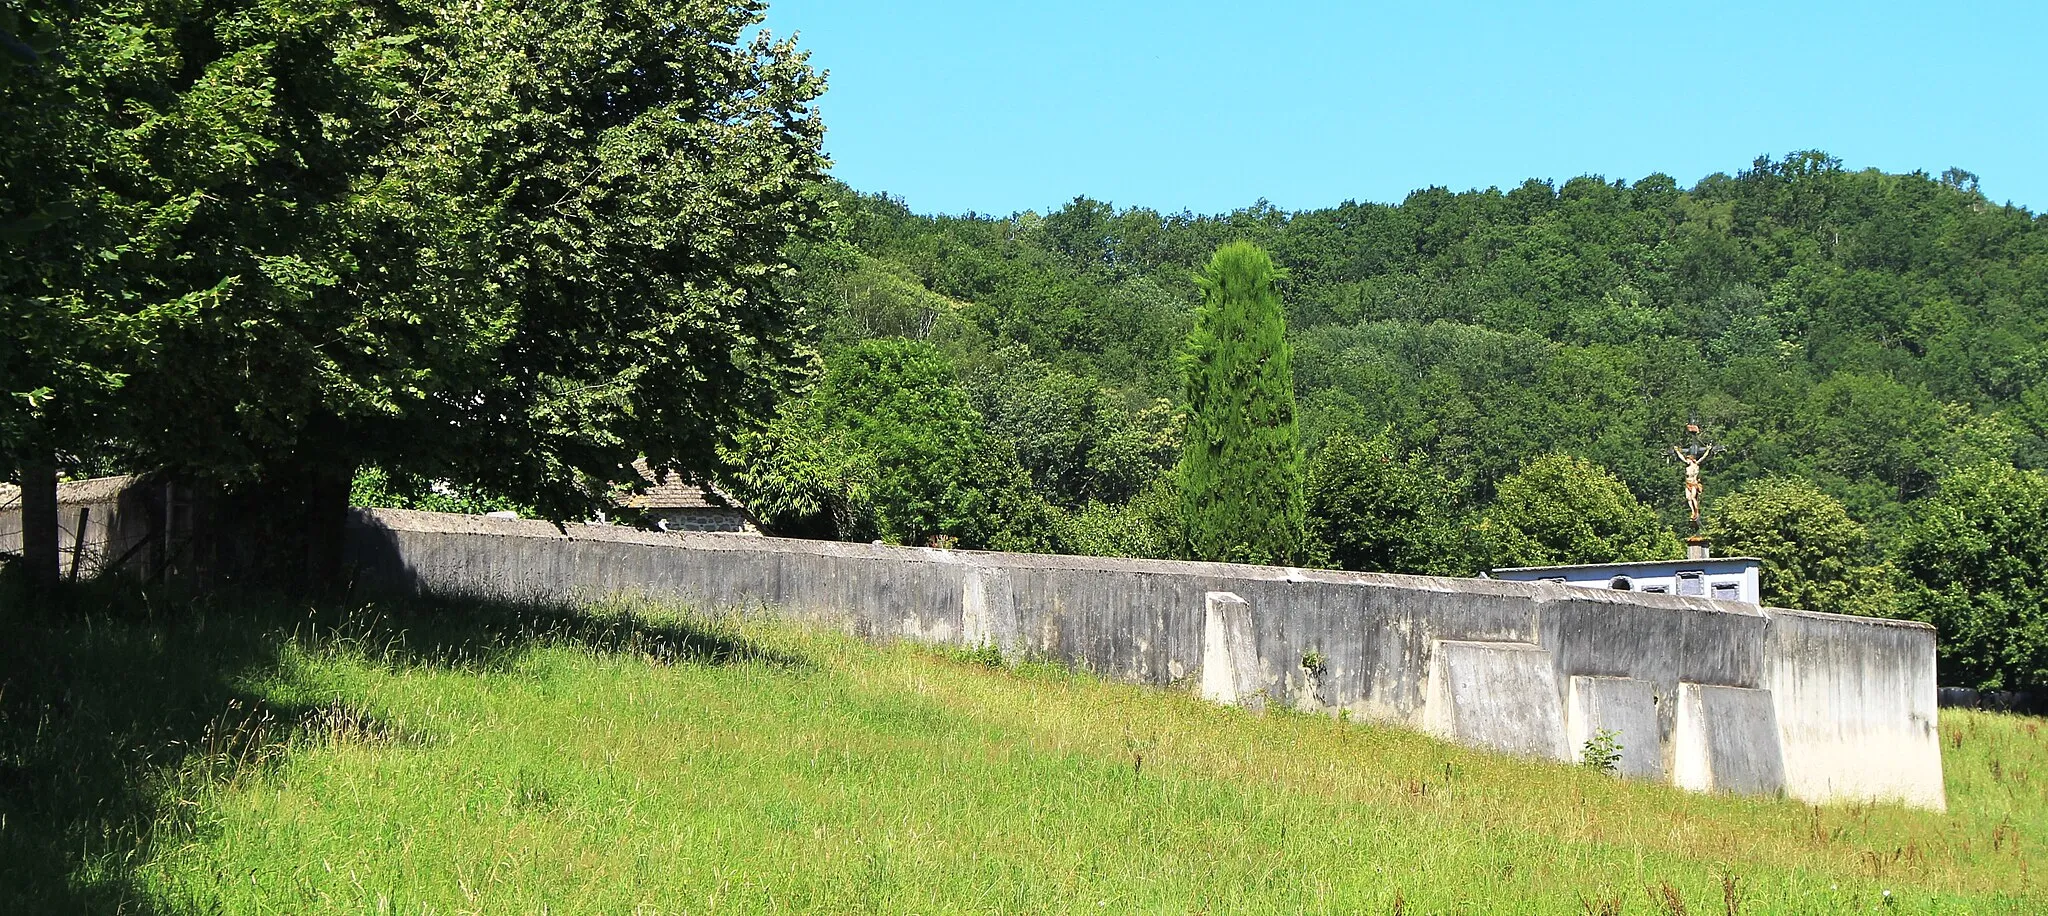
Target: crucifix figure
x=1693, y=487
x=1693, y=456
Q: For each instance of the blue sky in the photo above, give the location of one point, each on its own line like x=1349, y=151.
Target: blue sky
x=1210, y=106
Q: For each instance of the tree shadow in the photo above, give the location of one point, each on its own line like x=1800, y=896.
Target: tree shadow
x=116, y=703
x=479, y=634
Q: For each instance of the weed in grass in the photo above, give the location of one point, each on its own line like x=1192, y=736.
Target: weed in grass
x=1602, y=751
x=1667, y=898
x=339, y=723
x=1731, y=900
x=986, y=655
x=1600, y=905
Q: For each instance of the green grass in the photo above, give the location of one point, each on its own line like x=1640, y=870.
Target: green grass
x=241, y=755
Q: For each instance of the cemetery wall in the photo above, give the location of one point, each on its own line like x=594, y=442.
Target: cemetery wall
x=1710, y=695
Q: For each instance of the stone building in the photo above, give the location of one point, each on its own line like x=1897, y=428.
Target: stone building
x=678, y=503
x=1716, y=578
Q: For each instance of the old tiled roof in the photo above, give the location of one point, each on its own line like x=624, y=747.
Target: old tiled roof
x=74, y=492
x=676, y=491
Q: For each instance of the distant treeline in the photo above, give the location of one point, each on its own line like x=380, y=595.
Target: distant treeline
x=1852, y=338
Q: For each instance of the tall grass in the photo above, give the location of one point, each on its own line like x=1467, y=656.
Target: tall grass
x=451, y=757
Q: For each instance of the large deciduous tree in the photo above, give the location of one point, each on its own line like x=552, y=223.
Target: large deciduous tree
x=1815, y=557
x=1974, y=551
x=1560, y=509
x=84, y=223
x=1241, y=464
x=513, y=244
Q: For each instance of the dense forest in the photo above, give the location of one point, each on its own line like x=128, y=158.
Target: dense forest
x=1850, y=338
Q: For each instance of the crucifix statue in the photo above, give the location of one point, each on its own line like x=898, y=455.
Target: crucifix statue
x=1693, y=487
x=1693, y=456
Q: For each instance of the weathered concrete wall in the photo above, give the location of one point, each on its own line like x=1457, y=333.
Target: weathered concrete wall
x=1855, y=701
x=99, y=522
x=1441, y=654
x=1626, y=710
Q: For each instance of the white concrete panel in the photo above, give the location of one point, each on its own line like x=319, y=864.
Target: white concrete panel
x=1726, y=740
x=1625, y=706
x=1497, y=695
x=1230, y=668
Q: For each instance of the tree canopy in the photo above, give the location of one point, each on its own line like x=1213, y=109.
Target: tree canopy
x=888, y=446
x=1974, y=554
x=1815, y=557
x=1241, y=463
x=506, y=243
x=1560, y=509
x=1375, y=511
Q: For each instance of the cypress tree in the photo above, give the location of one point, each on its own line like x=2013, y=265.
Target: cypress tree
x=1241, y=467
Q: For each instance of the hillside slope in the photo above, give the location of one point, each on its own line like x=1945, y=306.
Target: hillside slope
x=464, y=758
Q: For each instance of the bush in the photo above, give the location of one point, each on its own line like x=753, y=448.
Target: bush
x=1974, y=555
x=1559, y=509
x=1815, y=557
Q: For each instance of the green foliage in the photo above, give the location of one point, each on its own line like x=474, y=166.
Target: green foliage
x=1560, y=509
x=458, y=241
x=804, y=478
x=1975, y=552
x=1602, y=751
x=1074, y=436
x=888, y=444
x=86, y=222
x=1375, y=511
x=1147, y=526
x=1867, y=331
x=374, y=487
x=1815, y=557
x=1241, y=464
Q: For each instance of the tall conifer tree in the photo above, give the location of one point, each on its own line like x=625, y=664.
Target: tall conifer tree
x=1241, y=468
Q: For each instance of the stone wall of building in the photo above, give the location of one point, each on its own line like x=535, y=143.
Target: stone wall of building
x=709, y=520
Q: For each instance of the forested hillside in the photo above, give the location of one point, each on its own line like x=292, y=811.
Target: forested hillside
x=1864, y=333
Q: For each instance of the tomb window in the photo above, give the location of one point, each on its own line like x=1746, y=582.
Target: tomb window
x=1692, y=584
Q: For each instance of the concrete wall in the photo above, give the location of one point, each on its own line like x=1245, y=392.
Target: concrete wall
x=1817, y=706
x=1856, y=706
x=99, y=522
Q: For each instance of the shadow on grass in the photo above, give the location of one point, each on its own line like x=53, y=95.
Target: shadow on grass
x=116, y=703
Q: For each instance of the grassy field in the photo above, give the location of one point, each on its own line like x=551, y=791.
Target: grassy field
x=240, y=755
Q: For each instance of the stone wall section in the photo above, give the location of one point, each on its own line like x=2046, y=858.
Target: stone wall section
x=1820, y=707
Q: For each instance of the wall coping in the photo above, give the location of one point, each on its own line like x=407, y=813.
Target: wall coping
x=1542, y=592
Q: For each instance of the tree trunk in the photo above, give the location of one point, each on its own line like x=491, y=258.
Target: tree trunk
x=39, y=522
x=282, y=532
x=326, y=508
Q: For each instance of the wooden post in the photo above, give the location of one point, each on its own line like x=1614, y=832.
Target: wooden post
x=78, y=541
